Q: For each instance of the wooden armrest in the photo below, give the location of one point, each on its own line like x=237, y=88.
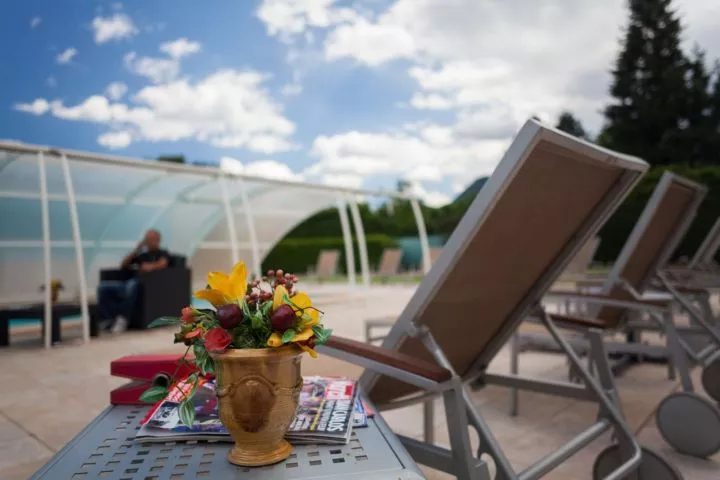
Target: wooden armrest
x=601, y=296
x=690, y=290
x=578, y=321
x=391, y=358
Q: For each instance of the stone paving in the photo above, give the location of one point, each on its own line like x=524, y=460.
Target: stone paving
x=48, y=396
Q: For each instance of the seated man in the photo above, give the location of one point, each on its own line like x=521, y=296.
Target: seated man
x=116, y=300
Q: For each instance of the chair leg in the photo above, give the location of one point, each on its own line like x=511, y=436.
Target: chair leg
x=678, y=356
x=429, y=421
x=514, y=360
x=457, y=424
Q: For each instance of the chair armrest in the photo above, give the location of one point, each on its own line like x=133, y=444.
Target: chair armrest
x=116, y=274
x=582, y=322
x=600, y=298
x=391, y=358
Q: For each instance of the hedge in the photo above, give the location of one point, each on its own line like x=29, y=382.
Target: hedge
x=299, y=254
x=618, y=228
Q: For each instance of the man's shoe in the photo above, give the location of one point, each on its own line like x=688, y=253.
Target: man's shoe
x=120, y=325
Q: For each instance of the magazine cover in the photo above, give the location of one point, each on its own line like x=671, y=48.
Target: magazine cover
x=327, y=410
x=324, y=414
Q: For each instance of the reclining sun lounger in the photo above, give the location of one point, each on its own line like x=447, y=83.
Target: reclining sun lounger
x=547, y=197
x=702, y=270
x=687, y=421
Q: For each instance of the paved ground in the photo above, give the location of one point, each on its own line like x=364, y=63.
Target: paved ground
x=48, y=396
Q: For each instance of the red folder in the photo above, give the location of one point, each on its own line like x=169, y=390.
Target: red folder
x=145, y=371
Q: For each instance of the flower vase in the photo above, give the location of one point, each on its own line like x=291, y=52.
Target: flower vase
x=258, y=392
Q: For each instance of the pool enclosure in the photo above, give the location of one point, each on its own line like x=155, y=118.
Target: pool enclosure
x=67, y=214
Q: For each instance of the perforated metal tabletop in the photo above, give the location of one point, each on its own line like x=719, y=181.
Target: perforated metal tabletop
x=106, y=449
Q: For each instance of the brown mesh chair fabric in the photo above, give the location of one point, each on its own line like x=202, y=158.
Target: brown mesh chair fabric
x=327, y=263
x=390, y=261
x=670, y=214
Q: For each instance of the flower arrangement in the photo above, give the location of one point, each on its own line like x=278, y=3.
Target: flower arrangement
x=55, y=287
x=265, y=313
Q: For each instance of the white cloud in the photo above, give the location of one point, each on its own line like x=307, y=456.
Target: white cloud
x=259, y=168
x=162, y=70
x=66, y=56
x=180, y=48
x=35, y=22
x=159, y=70
x=39, y=106
x=347, y=180
x=116, y=90
x=422, y=153
x=430, y=198
x=225, y=109
x=116, y=27
x=114, y=140
x=380, y=43
x=287, y=18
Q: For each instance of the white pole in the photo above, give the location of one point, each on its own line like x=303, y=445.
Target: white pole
x=422, y=233
x=45, y=216
x=362, y=245
x=230, y=221
x=347, y=240
x=79, y=258
x=250, y=219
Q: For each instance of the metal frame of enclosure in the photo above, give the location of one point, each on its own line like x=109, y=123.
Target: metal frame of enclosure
x=84, y=211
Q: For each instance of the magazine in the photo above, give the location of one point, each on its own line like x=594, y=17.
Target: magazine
x=323, y=416
x=326, y=411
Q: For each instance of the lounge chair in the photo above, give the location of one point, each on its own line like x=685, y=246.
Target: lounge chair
x=327, y=265
x=690, y=423
x=579, y=265
x=702, y=269
x=549, y=194
x=389, y=263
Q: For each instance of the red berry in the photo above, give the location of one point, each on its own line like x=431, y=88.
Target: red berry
x=271, y=273
x=282, y=318
x=281, y=281
x=229, y=316
x=266, y=295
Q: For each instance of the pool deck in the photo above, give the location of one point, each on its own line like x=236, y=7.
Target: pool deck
x=48, y=396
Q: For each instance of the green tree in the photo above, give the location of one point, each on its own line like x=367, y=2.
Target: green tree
x=649, y=86
x=700, y=127
x=569, y=124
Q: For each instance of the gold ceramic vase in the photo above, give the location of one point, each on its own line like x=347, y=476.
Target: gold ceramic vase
x=258, y=392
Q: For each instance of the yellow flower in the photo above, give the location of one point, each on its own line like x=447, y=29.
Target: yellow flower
x=225, y=289
x=275, y=340
x=300, y=303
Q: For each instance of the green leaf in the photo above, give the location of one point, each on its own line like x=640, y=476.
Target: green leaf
x=159, y=322
x=322, y=335
x=154, y=394
x=266, y=307
x=257, y=321
x=288, y=335
x=306, y=317
x=187, y=412
x=286, y=299
x=245, y=309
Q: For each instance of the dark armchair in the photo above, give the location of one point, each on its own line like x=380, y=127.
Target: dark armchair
x=162, y=292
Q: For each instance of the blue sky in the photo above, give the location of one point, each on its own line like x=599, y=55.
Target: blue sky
x=358, y=93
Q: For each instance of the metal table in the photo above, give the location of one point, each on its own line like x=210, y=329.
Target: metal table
x=106, y=449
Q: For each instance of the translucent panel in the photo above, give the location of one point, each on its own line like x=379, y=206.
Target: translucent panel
x=20, y=174
x=181, y=225
x=100, y=179
x=129, y=222
x=169, y=187
x=21, y=219
x=23, y=273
